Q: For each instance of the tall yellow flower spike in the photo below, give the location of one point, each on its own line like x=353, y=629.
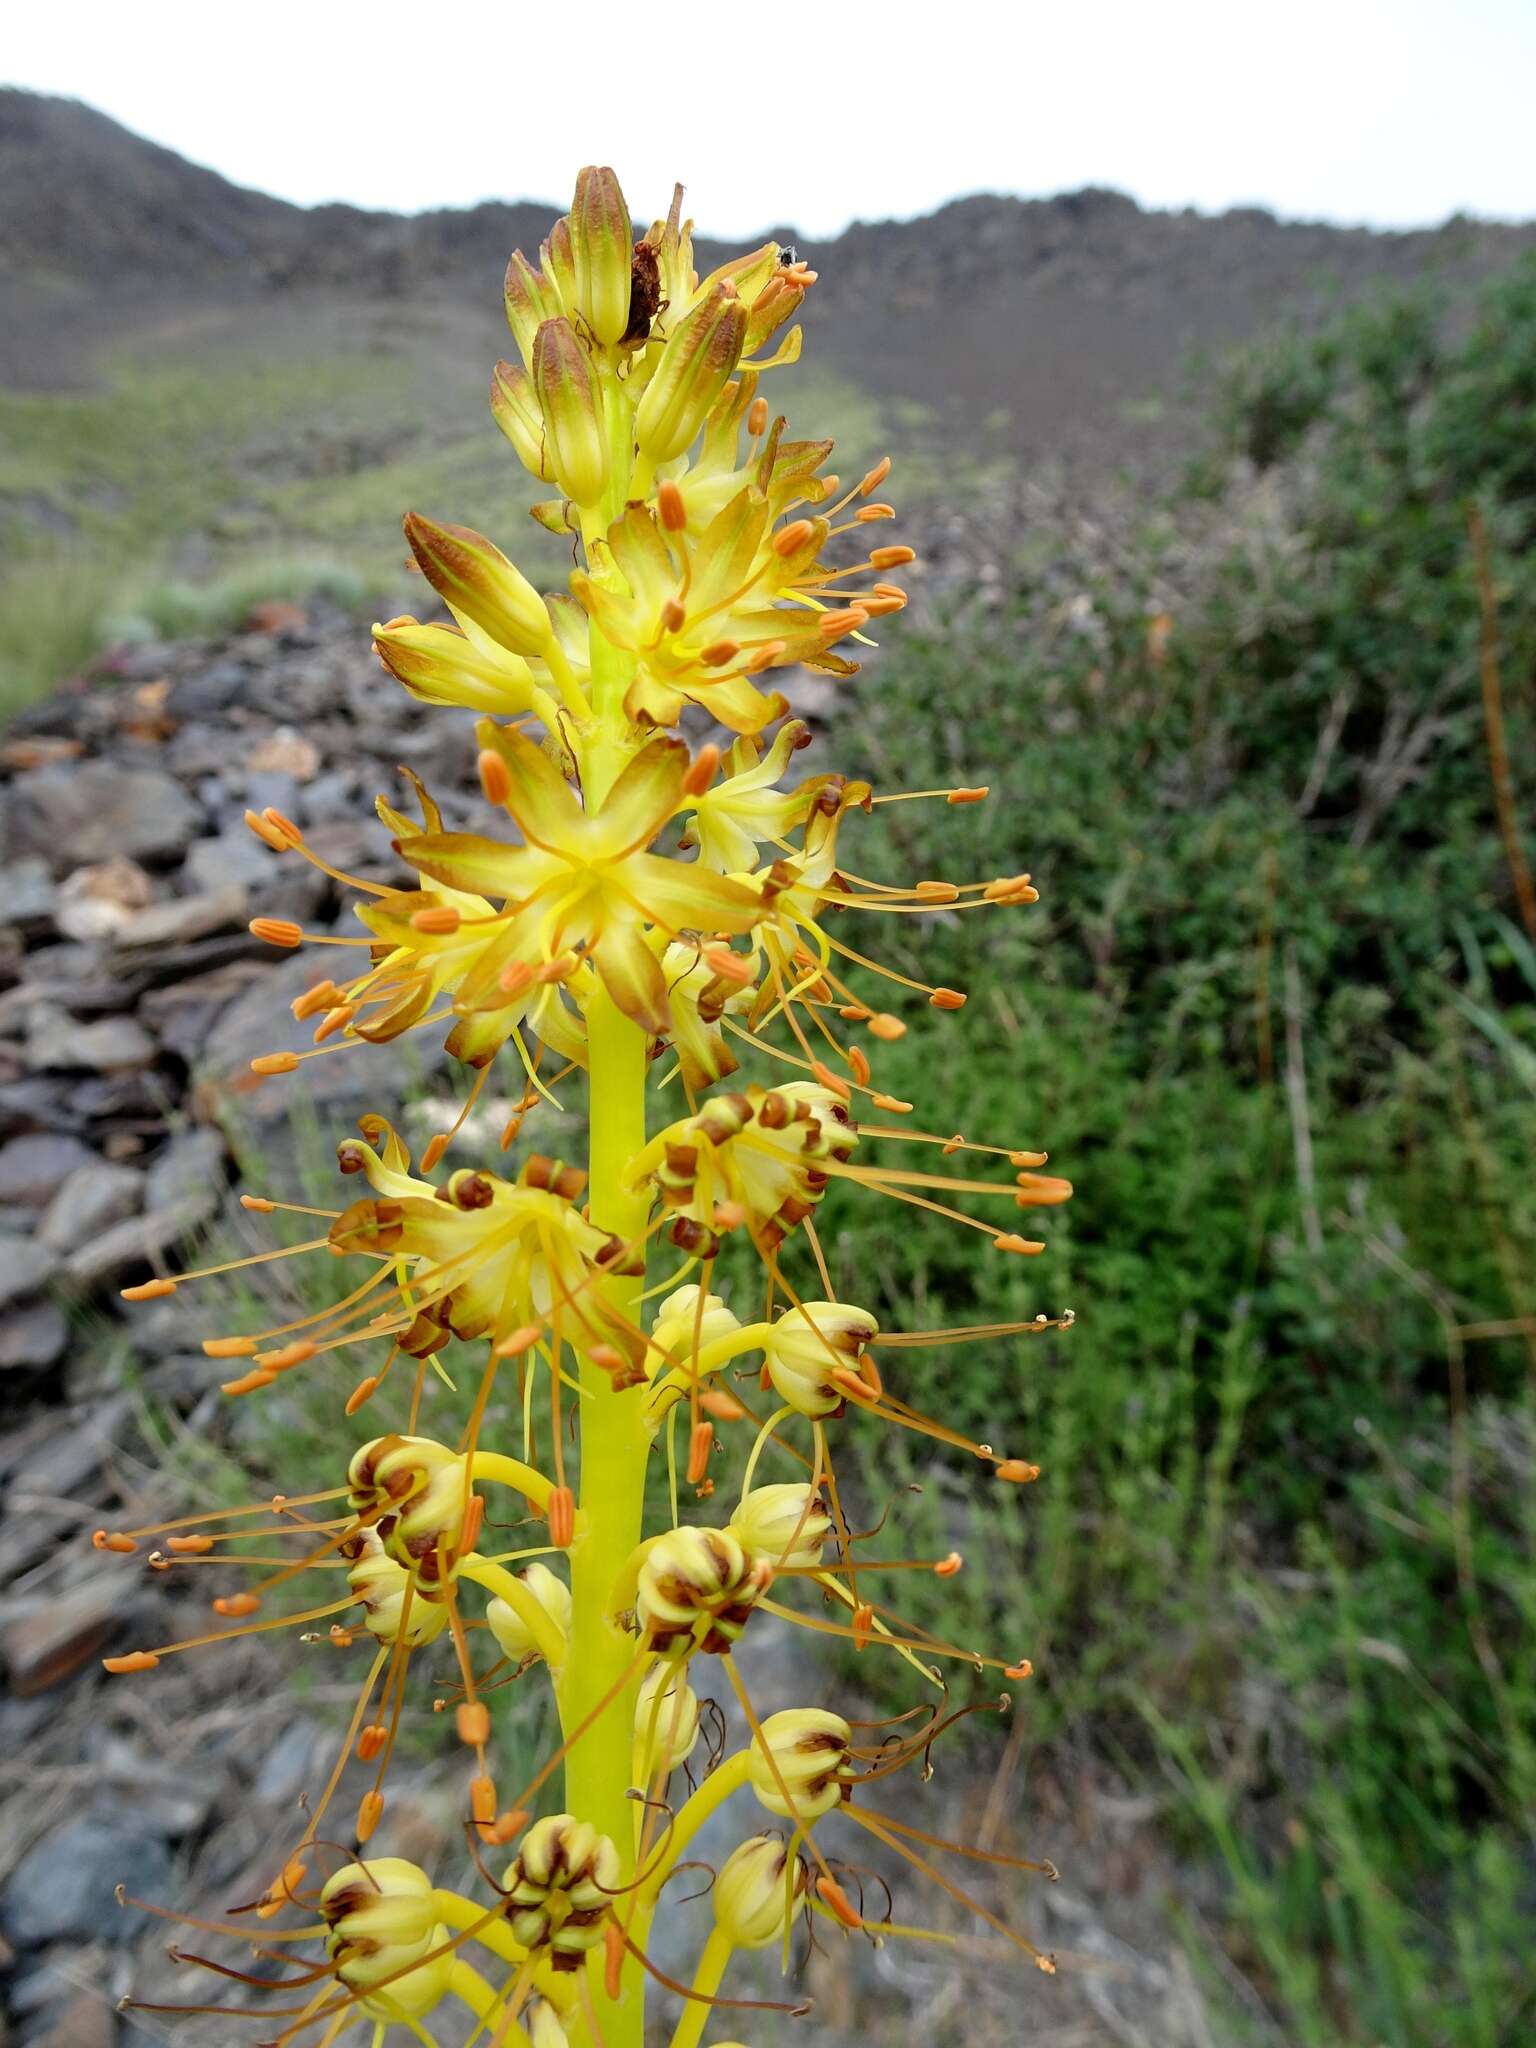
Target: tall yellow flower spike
x=654, y=905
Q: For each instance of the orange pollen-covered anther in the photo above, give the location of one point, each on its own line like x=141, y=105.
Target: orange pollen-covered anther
x=277, y=931
x=231, y=1347
x=947, y=999
x=838, y=1902
x=669, y=503
x=482, y=1801
x=831, y=624
x=106, y=1539
x=258, y=1205
x=891, y=558
x=494, y=779
x=936, y=892
x=522, y=1339
x=515, y=977
x=701, y=770
x=269, y=835
x=728, y=965
x=370, y=1811
x=613, y=1958
x=789, y=539
x=722, y=1406
x=248, y=1383
x=719, y=652
x=288, y=1356
x=507, y=1826
x=757, y=417
x=362, y=1393
x=189, y=1546
x=1019, y=1470
x=947, y=1567
x=953, y=1145
x=275, y=1063
x=1010, y=1241
x=859, y=1064
x=871, y=482
x=135, y=1660
x=1023, y=1669
x=234, y=1605
x=325, y=995
x=562, y=1517
x=883, y=1025
x=863, y=1624
x=149, y=1290
x=673, y=616
x=473, y=1721
x=968, y=796
x=436, y=917
x=701, y=1443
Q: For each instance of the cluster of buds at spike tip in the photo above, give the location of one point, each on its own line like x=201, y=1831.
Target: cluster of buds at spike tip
x=697, y=1587
x=560, y=1889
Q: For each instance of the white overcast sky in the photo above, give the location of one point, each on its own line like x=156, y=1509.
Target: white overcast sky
x=1393, y=112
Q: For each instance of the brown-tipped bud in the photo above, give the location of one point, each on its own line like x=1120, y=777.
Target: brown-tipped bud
x=574, y=435
x=697, y=1583
x=516, y=411
x=529, y=302
x=703, y=350
x=601, y=233
x=479, y=585
x=510, y=1626
x=756, y=1892
x=795, y=1762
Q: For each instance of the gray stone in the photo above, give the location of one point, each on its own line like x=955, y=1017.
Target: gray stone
x=25, y=1266
x=182, y=1015
x=97, y=901
x=65, y=1886
x=73, y=1453
x=35, y=1167
x=94, y=1197
x=32, y=1337
x=189, y=1174
x=92, y=810
x=136, y=1242
x=285, y=1767
x=44, y=1641
x=111, y=1045
x=34, y=1106
x=208, y=689
x=184, y=918
x=272, y=789
x=29, y=891
x=233, y=857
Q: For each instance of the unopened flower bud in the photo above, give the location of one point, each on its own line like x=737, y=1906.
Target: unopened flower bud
x=756, y=1892
x=513, y=1636
x=681, y=1324
x=574, y=444
x=808, y=1344
x=530, y=301
x=800, y=1752
x=382, y=1917
x=700, y=355
x=560, y=1888
x=786, y=1524
x=479, y=585
x=516, y=411
x=382, y=1585
x=544, y=2025
x=699, y=1583
x=666, y=1721
x=601, y=238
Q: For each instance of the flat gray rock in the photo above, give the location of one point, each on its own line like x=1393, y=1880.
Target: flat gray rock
x=90, y=810
x=34, y=1167
x=94, y=1197
x=25, y=1267
x=65, y=1886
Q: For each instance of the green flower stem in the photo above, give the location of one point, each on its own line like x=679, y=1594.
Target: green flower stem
x=706, y=1982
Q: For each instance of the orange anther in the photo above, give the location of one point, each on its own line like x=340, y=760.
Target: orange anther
x=267, y=834
x=135, y=1660
x=149, y=1290
x=729, y=966
x=257, y=1204
x=859, y=1064
x=334, y=1021
x=871, y=482
x=719, y=652
x=325, y=995
x=482, y=1801
x=863, y=1624
x=701, y=1443
x=854, y=1013
x=275, y=1063
x=701, y=770
x=362, y=1393
x=494, y=778
x=883, y=1025
x=249, y=1383
x=235, y=1605
x=1010, y=1241
x=967, y=796
x=1019, y=1470
x=189, y=1546
x=285, y=827
x=515, y=977
x=288, y=1356
x=559, y=969
x=669, y=503
x=870, y=1373
x=891, y=558
x=277, y=931
x=851, y=1383
x=936, y=892
x=832, y=625
x=607, y=1358
x=953, y=1145
x=878, y=510
x=231, y=1347
x=729, y=1215
x=436, y=917
x=757, y=417
x=947, y=999
x=948, y=1566
x=673, y=616
x=893, y=1103
x=723, y=1406
x=1023, y=1669
x=107, y=1539
x=522, y=1339
x=790, y=539
x=562, y=1517
x=833, y=1082
x=613, y=1958
x=507, y=1826
x=434, y=1149
x=1028, y=1158
x=370, y=1811
x=837, y=1901
x=473, y=1721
